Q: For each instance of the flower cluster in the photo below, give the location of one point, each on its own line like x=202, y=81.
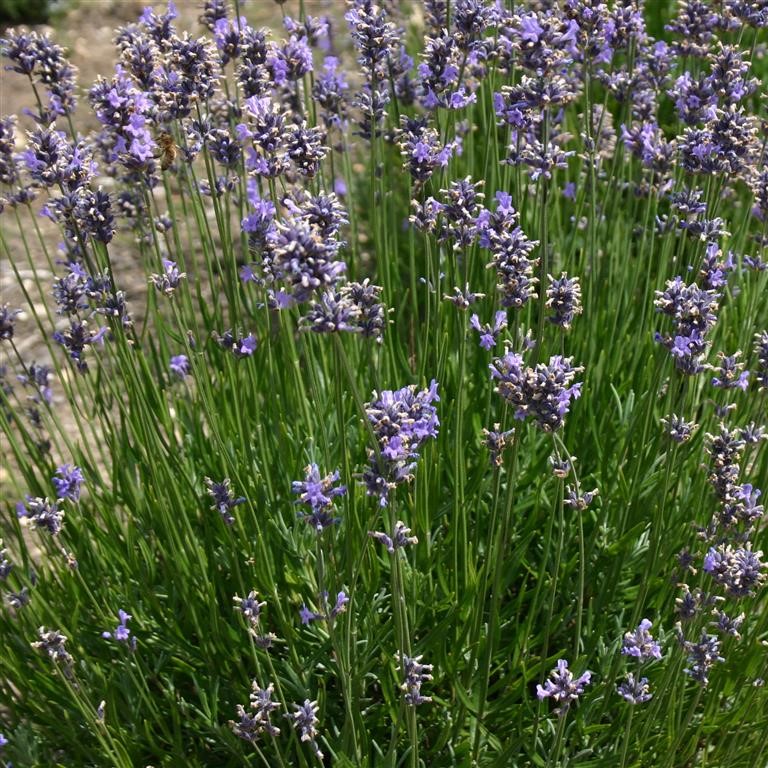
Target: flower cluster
x=318, y=494
x=355, y=307
x=415, y=674
x=329, y=612
x=401, y=421
x=544, y=392
x=53, y=644
x=693, y=311
x=500, y=232
x=640, y=644
x=562, y=687
x=41, y=513
x=121, y=633
x=496, y=442
x=305, y=722
x=224, y=501
x=256, y=721
x=739, y=570
x=67, y=482
x=399, y=539
x=250, y=608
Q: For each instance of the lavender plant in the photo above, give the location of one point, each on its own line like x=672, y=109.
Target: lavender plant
x=312, y=316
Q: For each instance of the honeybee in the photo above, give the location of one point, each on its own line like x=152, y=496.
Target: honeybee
x=167, y=150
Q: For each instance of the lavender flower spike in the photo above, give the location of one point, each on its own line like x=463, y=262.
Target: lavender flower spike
x=223, y=499
x=121, y=632
x=564, y=299
x=633, y=690
x=305, y=722
x=563, y=687
x=400, y=538
x=53, y=643
x=488, y=333
x=67, y=482
x=318, y=493
x=253, y=724
x=169, y=280
x=7, y=322
x=640, y=644
x=415, y=674
x=41, y=513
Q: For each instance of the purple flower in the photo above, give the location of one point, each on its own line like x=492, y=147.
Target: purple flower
x=38, y=379
x=577, y=500
x=250, y=607
x=714, y=270
x=544, y=392
x=402, y=420
x=304, y=258
x=122, y=108
x=374, y=37
x=290, y=61
x=633, y=690
x=306, y=147
x=223, y=499
x=169, y=280
x=487, y=333
x=53, y=643
x=240, y=347
x=460, y=213
x=728, y=625
x=415, y=675
x=41, y=513
x=564, y=299
x=421, y=148
x=259, y=224
x=562, y=687
x=730, y=374
x=496, y=442
x=121, y=633
x=76, y=338
x=678, y=428
x=329, y=91
x=226, y=34
x=36, y=56
x=439, y=72
x=333, y=312
x=7, y=322
x=400, y=538
x=318, y=493
x=213, y=11
x=252, y=724
x=340, y=606
x=179, y=365
x=530, y=30
x=694, y=312
x=739, y=570
x=463, y=299
x=640, y=644
x=511, y=250
x=305, y=722
x=702, y=656
x=67, y=482
x=308, y=616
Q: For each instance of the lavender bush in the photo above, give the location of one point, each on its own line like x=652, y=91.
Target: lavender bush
x=388, y=387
